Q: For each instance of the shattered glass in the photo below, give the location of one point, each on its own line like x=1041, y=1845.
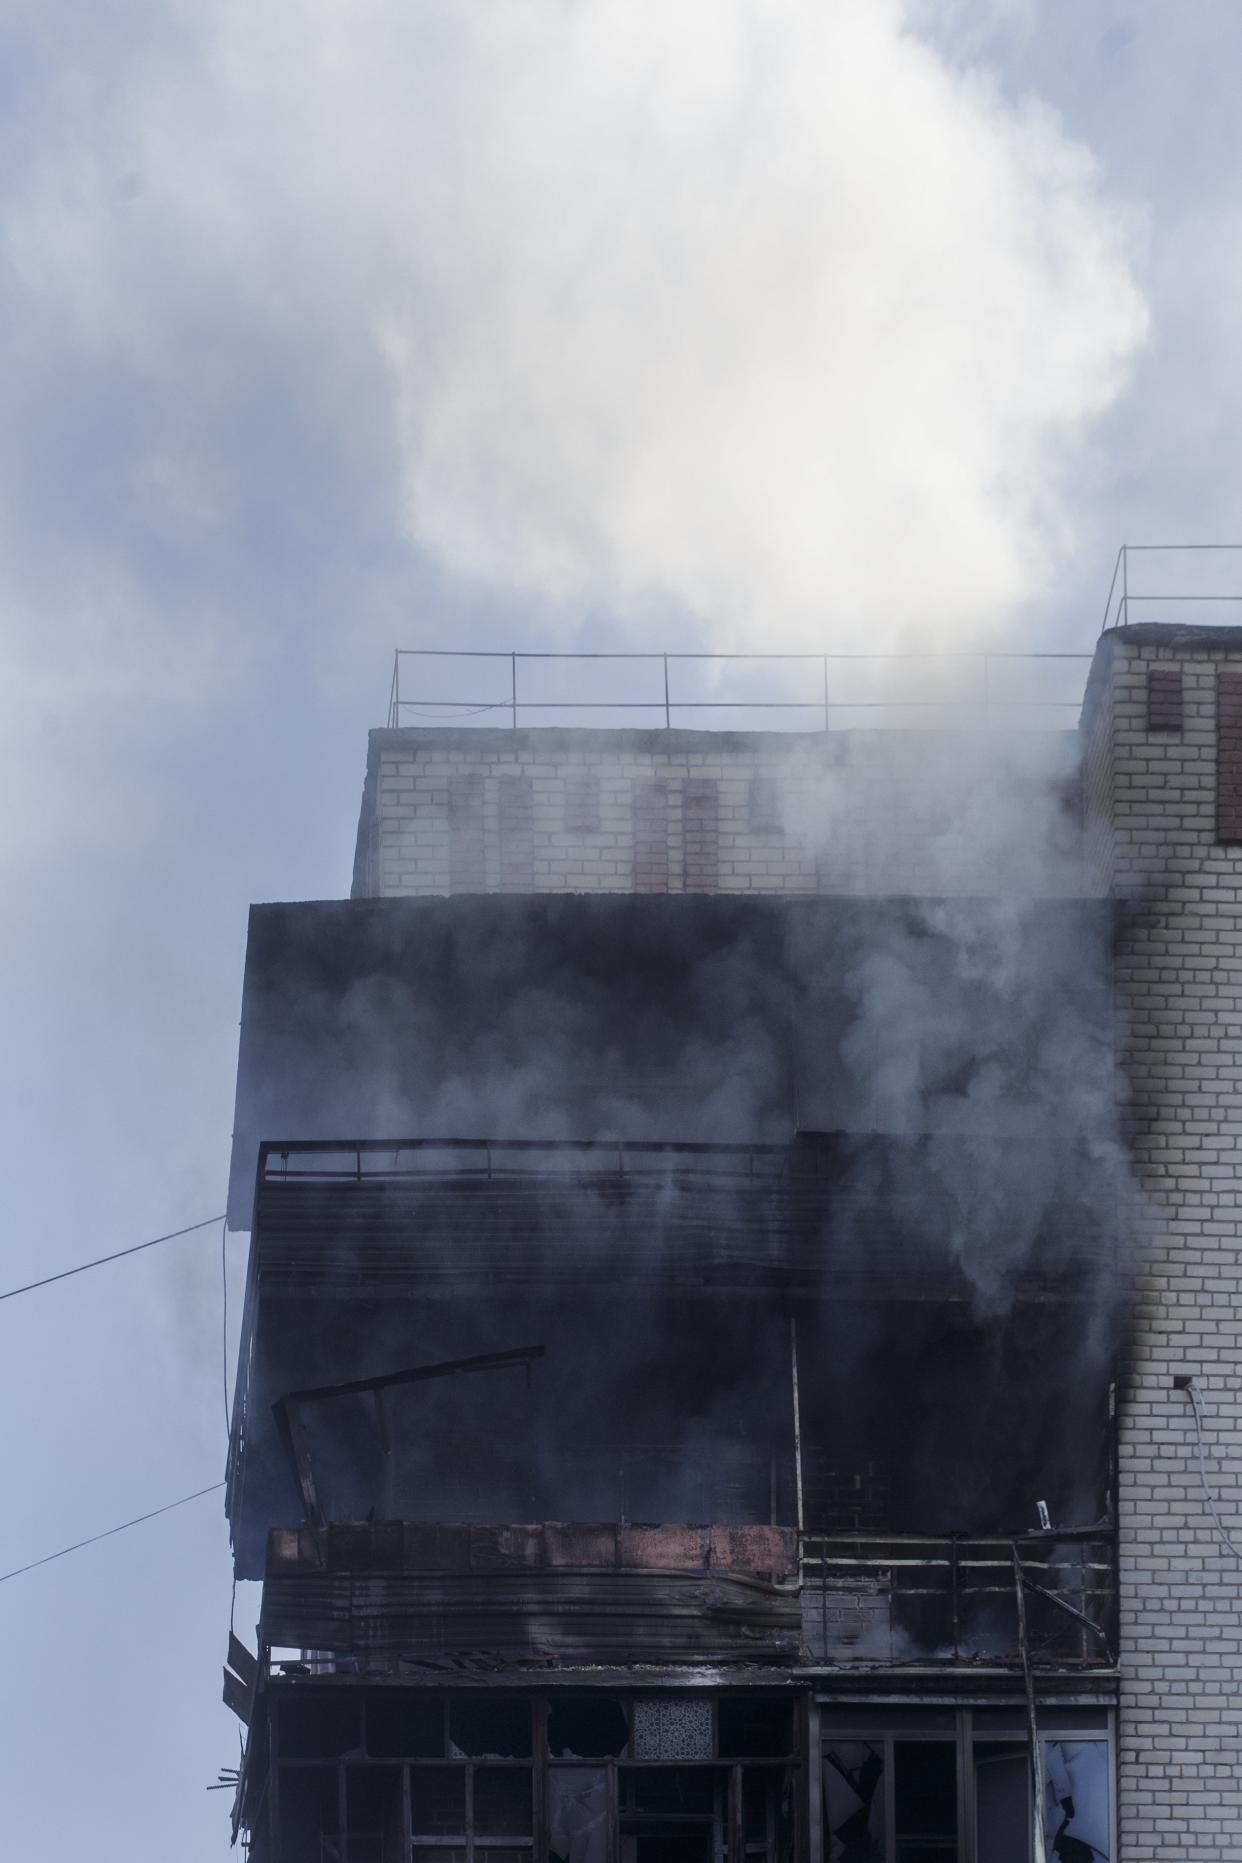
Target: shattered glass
x=1076, y=1807
x=854, y=1801
x=578, y=1814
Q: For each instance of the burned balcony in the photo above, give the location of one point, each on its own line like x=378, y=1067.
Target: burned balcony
x=885, y=1601
x=845, y=1213
x=407, y=1594
x=626, y=1315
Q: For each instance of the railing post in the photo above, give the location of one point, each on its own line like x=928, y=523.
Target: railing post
x=1125, y=585
x=513, y=686
x=667, y=720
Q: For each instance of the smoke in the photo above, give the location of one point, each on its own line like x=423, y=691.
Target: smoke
x=770, y=318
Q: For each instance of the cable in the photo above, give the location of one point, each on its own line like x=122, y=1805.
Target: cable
x=224, y=1343
x=1193, y=1394
x=124, y=1526
x=137, y=1249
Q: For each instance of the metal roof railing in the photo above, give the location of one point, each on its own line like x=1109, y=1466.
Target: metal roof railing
x=812, y=690
x=1197, y=583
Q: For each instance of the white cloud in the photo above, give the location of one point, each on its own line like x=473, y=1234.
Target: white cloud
x=760, y=310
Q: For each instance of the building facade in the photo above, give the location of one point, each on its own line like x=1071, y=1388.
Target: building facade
x=732, y=1219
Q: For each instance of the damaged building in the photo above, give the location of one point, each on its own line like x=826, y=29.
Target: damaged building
x=693, y=1403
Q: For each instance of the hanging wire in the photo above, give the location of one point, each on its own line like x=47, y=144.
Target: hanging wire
x=224, y=1334
x=1193, y=1394
x=109, y=1531
x=99, y=1260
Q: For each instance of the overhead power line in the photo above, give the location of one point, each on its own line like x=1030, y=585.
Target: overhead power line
x=99, y=1261
x=107, y=1534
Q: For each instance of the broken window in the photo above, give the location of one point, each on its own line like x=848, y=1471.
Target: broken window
x=672, y=1814
x=399, y=1727
x=1003, y=1809
x=502, y=1801
x=1077, y=1819
x=577, y=1814
x=754, y=1729
x=587, y=1727
x=374, y=1814
x=768, y=1814
x=677, y=1791
x=438, y=1802
x=925, y=1800
x=317, y=1726
x=308, y=1823
x=917, y=1778
x=854, y=1801
x=490, y=1729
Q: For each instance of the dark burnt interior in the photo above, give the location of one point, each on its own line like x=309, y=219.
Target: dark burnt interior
x=656, y=1308
x=661, y=1145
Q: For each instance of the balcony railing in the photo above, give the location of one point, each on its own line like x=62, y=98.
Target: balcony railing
x=904, y=1600
x=1195, y=584
x=734, y=691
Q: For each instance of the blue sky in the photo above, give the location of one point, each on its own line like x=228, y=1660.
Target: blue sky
x=557, y=323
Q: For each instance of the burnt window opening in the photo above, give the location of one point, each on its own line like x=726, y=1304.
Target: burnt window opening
x=1164, y=698
x=925, y=1800
x=767, y=1814
x=398, y=1728
x=375, y=1814
x=489, y=1729
x=319, y=1726
x=587, y=1728
x=669, y=1791
x=309, y=1814
x=438, y=1802
x=540, y=1802
x=502, y=1801
x=917, y=1778
x=750, y=1729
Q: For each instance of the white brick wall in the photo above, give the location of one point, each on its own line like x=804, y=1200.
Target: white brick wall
x=1152, y=834
x=857, y=812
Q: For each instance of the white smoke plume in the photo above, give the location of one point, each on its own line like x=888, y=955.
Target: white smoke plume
x=764, y=316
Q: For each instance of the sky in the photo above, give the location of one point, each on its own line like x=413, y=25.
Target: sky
x=328, y=328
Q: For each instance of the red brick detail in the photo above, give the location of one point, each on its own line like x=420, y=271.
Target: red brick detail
x=1164, y=698
x=465, y=816
x=582, y=802
x=701, y=869
x=650, y=838
x=517, y=834
x=1228, y=756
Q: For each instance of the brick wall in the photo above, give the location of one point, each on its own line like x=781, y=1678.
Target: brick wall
x=449, y=810
x=1155, y=804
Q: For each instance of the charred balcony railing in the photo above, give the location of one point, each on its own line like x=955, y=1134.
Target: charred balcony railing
x=801, y=691
x=376, y=1218
x=902, y=1600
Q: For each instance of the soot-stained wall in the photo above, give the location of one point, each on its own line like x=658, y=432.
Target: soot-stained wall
x=692, y=1018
